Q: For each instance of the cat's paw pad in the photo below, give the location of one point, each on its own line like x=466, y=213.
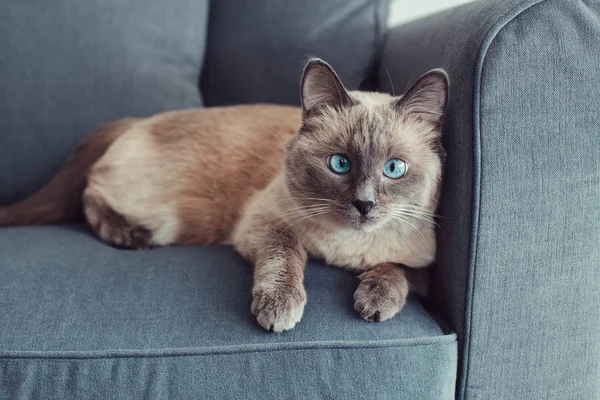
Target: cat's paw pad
x=379, y=300
x=280, y=308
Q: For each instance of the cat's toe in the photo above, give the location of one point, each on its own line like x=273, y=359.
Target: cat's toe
x=278, y=310
x=377, y=301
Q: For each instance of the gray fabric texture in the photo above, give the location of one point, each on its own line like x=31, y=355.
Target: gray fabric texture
x=519, y=260
x=256, y=49
x=83, y=320
x=67, y=67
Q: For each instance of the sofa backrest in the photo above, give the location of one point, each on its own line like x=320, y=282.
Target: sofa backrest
x=67, y=67
x=256, y=49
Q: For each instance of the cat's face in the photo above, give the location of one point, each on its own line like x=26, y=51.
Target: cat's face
x=364, y=160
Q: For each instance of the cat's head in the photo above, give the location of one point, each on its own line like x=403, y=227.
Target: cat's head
x=364, y=160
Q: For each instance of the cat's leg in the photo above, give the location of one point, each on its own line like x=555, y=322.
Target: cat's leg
x=114, y=228
x=382, y=292
x=278, y=295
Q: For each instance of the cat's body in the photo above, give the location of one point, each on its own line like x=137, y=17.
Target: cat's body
x=244, y=176
x=185, y=176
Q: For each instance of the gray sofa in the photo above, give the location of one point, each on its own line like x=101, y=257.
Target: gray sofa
x=514, y=310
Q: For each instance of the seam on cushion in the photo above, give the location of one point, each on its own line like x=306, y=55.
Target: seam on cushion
x=486, y=44
x=371, y=75
x=378, y=44
x=235, y=349
x=381, y=15
x=376, y=17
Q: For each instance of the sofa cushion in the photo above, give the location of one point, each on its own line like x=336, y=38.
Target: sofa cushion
x=174, y=322
x=256, y=49
x=68, y=66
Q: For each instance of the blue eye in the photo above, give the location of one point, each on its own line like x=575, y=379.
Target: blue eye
x=339, y=163
x=395, y=168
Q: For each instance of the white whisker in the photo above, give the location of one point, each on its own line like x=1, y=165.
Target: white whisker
x=417, y=217
x=417, y=210
x=309, y=198
x=300, y=211
x=420, y=217
x=306, y=217
x=307, y=207
x=417, y=213
x=406, y=221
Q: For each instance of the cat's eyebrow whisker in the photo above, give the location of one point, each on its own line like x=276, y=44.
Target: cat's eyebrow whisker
x=390, y=79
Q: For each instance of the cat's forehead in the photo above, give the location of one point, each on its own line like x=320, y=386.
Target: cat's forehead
x=371, y=128
x=371, y=125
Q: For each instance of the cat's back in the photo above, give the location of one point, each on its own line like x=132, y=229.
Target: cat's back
x=196, y=167
x=218, y=142
x=230, y=125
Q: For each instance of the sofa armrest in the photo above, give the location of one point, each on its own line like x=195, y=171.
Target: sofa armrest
x=518, y=265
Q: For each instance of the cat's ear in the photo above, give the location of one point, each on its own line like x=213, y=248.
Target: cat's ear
x=427, y=98
x=321, y=88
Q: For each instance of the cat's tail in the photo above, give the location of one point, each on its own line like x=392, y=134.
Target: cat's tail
x=60, y=200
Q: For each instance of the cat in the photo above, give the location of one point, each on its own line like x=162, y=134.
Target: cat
x=350, y=177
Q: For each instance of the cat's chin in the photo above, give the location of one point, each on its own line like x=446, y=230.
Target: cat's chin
x=365, y=224
x=357, y=223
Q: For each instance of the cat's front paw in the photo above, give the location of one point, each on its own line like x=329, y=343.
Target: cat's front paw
x=278, y=308
x=378, y=298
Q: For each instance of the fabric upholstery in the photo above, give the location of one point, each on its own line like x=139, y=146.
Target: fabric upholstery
x=518, y=267
x=256, y=49
x=83, y=320
x=67, y=67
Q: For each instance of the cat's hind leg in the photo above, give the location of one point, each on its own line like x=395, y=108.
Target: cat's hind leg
x=113, y=228
x=130, y=199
